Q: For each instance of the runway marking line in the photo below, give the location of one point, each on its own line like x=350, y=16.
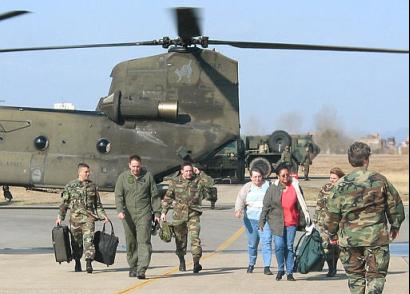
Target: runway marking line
x=228, y=242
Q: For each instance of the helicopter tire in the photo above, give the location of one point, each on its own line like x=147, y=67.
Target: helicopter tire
x=278, y=140
x=263, y=164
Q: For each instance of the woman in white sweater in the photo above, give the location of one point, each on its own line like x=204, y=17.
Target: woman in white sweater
x=249, y=203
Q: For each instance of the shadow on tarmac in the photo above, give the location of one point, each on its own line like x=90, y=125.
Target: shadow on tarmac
x=204, y=272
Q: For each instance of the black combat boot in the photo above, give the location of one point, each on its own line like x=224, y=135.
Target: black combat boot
x=331, y=259
x=182, y=265
x=77, y=267
x=197, y=266
x=332, y=266
x=88, y=266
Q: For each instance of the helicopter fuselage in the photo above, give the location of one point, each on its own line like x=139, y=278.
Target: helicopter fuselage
x=166, y=108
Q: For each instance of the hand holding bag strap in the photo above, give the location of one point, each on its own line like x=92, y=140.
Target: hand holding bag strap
x=112, y=228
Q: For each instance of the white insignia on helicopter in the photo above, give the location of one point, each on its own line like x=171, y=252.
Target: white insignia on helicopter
x=184, y=71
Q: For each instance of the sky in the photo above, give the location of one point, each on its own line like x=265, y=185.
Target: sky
x=361, y=93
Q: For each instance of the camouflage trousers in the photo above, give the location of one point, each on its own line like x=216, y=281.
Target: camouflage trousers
x=192, y=227
x=82, y=238
x=306, y=171
x=366, y=264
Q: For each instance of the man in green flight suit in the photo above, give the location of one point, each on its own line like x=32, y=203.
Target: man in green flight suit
x=185, y=196
x=359, y=208
x=82, y=198
x=137, y=199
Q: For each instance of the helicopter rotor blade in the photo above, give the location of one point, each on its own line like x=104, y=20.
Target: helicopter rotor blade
x=144, y=43
x=11, y=14
x=262, y=45
x=187, y=20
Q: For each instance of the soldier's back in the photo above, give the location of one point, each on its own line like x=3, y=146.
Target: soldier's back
x=360, y=196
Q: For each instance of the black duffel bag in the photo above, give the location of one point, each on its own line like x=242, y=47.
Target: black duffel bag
x=105, y=246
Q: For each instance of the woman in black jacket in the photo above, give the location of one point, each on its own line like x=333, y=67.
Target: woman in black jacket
x=285, y=211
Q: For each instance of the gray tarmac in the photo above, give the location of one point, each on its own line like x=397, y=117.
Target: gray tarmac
x=27, y=263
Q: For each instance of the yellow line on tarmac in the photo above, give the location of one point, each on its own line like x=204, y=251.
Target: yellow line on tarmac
x=228, y=242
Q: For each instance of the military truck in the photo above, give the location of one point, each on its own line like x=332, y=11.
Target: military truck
x=228, y=164
x=265, y=152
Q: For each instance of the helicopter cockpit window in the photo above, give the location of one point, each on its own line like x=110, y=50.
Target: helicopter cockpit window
x=41, y=143
x=103, y=145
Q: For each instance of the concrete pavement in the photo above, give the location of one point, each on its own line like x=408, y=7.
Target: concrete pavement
x=27, y=263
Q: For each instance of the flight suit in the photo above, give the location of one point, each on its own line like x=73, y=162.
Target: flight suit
x=358, y=210
x=185, y=196
x=138, y=199
x=85, y=206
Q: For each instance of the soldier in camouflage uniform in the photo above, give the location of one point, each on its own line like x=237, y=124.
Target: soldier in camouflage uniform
x=184, y=194
x=359, y=208
x=286, y=158
x=306, y=162
x=82, y=198
x=332, y=251
x=137, y=200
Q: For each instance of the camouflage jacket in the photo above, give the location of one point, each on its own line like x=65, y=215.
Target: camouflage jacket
x=83, y=200
x=137, y=195
x=359, y=207
x=286, y=157
x=321, y=206
x=186, y=195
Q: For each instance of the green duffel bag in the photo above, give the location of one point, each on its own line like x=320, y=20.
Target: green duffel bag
x=309, y=256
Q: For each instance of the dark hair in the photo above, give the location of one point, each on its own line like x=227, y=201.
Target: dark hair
x=256, y=169
x=134, y=157
x=281, y=166
x=186, y=163
x=337, y=171
x=82, y=164
x=358, y=153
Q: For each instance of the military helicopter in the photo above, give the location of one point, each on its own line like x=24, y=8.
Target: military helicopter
x=179, y=105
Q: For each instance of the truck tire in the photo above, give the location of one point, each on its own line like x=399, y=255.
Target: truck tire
x=263, y=164
x=278, y=140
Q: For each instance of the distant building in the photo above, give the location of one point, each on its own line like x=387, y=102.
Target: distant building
x=379, y=145
x=404, y=147
x=64, y=105
x=374, y=141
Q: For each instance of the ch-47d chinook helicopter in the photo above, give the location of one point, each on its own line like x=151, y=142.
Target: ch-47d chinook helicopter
x=179, y=105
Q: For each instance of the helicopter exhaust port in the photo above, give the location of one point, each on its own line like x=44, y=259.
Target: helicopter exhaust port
x=119, y=109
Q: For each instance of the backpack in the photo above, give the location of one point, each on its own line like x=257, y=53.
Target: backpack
x=310, y=255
